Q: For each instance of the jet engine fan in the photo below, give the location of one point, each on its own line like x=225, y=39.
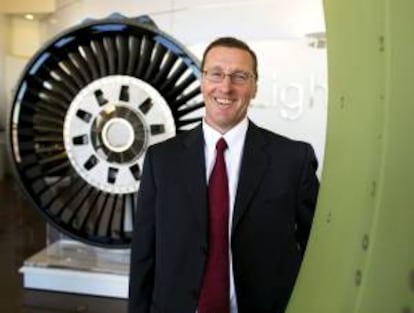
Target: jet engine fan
x=86, y=108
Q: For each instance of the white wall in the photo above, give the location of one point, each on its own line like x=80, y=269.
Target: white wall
x=197, y=21
x=292, y=92
x=21, y=40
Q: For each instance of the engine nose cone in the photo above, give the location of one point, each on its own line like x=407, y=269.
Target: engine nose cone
x=118, y=134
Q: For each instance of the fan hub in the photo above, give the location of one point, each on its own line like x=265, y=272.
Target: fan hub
x=108, y=127
x=118, y=134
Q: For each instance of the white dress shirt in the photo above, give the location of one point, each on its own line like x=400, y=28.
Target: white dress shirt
x=235, y=142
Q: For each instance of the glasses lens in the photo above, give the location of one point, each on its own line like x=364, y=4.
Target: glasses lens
x=215, y=76
x=238, y=78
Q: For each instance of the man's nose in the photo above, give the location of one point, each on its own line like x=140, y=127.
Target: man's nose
x=226, y=83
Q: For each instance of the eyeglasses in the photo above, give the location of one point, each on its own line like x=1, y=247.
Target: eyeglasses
x=237, y=78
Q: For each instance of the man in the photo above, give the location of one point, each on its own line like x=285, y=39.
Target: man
x=266, y=196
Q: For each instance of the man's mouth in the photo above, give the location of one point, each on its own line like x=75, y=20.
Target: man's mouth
x=223, y=101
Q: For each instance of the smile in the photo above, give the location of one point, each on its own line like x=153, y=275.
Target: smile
x=223, y=101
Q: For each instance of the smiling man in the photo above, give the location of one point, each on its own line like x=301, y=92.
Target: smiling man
x=224, y=210
x=229, y=83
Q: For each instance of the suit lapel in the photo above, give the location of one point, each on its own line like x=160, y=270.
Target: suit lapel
x=253, y=166
x=194, y=176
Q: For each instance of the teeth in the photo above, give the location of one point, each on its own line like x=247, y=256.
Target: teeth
x=223, y=101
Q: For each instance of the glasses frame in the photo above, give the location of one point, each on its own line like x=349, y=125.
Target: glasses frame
x=233, y=76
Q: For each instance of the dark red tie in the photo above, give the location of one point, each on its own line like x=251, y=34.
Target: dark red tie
x=214, y=296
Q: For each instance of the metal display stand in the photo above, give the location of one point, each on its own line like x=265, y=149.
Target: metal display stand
x=66, y=265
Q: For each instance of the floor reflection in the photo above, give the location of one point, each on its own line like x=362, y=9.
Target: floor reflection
x=22, y=234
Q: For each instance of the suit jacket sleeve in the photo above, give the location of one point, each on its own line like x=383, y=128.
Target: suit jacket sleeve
x=307, y=197
x=141, y=277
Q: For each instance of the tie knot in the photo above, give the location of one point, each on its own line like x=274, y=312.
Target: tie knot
x=221, y=145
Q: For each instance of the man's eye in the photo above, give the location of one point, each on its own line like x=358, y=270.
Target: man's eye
x=216, y=74
x=240, y=77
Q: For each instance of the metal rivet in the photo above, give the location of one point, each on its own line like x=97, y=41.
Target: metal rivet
x=358, y=278
x=365, y=242
x=373, y=188
x=329, y=218
x=412, y=280
x=341, y=102
x=381, y=43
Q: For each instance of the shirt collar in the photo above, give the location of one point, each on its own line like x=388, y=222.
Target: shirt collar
x=234, y=136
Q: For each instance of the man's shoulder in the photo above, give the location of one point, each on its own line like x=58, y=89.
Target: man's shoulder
x=280, y=144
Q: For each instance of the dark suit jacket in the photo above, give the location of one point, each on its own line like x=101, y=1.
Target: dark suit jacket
x=273, y=212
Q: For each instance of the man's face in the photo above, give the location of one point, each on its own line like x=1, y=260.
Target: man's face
x=226, y=102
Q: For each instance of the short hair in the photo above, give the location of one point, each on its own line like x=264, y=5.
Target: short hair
x=231, y=42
